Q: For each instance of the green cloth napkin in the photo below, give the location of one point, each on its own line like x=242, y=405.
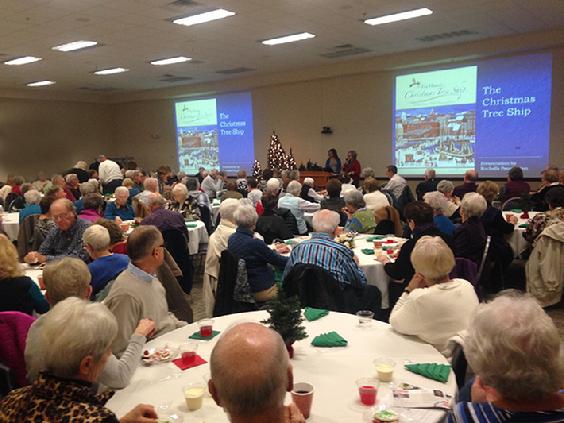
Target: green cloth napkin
x=375, y=238
x=197, y=336
x=329, y=339
x=435, y=371
x=516, y=210
x=524, y=225
x=312, y=314
x=367, y=251
x=191, y=225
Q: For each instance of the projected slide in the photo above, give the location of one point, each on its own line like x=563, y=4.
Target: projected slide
x=215, y=133
x=489, y=117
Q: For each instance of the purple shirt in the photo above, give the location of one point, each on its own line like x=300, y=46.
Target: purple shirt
x=166, y=220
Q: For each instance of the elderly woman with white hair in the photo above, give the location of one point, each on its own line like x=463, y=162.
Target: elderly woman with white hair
x=360, y=219
x=32, y=198
x=308, y=192
x=446, y=188
x=439, y=204
x=190, y=202
x=257, y=255
x=105, y=265
x=434, y=307
x=469, y=239
x=514, y=349
x=73, y=185
x=74, y=346
x=292, y=201
x=120, y=207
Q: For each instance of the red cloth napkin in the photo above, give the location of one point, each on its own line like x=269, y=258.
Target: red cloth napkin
x=195, y=362
x=390, y=241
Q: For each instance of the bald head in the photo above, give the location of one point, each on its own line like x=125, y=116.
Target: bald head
x=250, y=370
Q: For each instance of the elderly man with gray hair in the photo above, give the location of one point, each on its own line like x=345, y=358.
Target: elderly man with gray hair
x=292, y=201
x=250, y=375
x=69, y=277
x=257, y=255
x=120, y=207
x=32, y=198
x=136, y=293
x=160, y=217
x=105, y=265
x=514, y=348
x=360, y=219
x=323, y=251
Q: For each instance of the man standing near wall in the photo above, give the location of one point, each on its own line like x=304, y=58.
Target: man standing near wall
x=109, y=174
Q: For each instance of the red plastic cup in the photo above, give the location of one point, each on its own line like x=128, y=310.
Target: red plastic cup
x=302, y=396
x=188, y=352
x=206, y=328
x=367, y=390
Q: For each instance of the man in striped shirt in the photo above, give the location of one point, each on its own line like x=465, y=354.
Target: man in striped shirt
x=322, y=251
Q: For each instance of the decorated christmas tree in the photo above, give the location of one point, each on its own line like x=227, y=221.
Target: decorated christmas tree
x=290, y=161
x=276, y=154
x=257, y=170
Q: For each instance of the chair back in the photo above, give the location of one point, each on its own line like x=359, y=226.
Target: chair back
x=225, y=302
x=315, y=287
x=6, y=380
x=459, y=365
x=512, y=203
x=28, y=238
x=465, y=269
x=177, y=245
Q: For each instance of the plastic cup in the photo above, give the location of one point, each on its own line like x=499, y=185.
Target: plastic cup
x=365, y=317
x=367, y=390
x=508, y=216
x=194, y=395
x=378, y=244
x=302, y=395
x=188, y=352
x=206, y=328
x=385, y=368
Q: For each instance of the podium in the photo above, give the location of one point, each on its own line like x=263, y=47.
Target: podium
x=320, y=177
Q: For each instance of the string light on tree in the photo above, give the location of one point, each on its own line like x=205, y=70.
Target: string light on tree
x=290, y=161
x=276, y=154
x=257, y=170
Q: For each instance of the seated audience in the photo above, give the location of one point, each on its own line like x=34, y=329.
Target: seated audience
x=469, y=185
x=162, y=218
x=194, y=193
x=136, y=294
x=59, y=181
x=373, y=198
x=428, y=185
x=17, y=183
x=515, y=351
x=231, y=191
x=334, y=201
x=323, y=251
x=45, y=222
x=256, y=253
x=73, y=185
x=212, y=184
x=74, y=346
x=308, y=193
x=183, y=204
x=470, y=238
x=446, y=188
x=368, y=172
x=65, y=239
x=32, y=199
x=298, y=206
x=360, y=219
x=550, y=179
x=105, y=265
x=250, y=358
x=439, y=204
x=270, y=225
x=131, y=187
x=216, y=245
x=492, y=219
x=434, y=307
x=151, y=185
x=118, y=244
x=273, y=186
x=515, y=185
x=92, y=207
x=254, y=194
x=555, y=214
x=17, y=291
x=242, y=183
x=69, y=277
x=85, y=189
x=396, y=184
x=41, y=182
x=80, y=170
x=120, y=207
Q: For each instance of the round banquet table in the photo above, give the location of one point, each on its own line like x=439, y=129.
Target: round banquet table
x=515, y=239
x=332, y=371
x=11, y=224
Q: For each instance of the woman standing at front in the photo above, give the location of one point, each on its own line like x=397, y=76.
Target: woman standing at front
x=333, y=162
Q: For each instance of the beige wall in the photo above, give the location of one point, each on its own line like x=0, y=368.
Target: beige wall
x=50, y=136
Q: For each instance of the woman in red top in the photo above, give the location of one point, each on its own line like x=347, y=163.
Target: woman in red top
x=352, y=167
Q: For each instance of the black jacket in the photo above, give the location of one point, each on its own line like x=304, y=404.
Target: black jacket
x=271, y=227
x=469, y=240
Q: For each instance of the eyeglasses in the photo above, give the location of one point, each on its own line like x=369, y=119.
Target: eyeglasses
x=64, y=216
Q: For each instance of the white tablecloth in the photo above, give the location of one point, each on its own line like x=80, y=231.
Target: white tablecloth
x=332, y=371
x=198, y=235
x=11, y=224
x=214, y=212
x=515, y=239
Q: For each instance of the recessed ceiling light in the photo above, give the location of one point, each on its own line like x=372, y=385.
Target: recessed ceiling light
x=288, y=39
x=110, y=71
x=40, y=83
x=171, y=60
x=22, y=60
x=203, y=17
x=399, y=16
x=75, y=45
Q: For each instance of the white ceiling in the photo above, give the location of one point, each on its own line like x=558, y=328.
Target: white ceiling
x=133, y=32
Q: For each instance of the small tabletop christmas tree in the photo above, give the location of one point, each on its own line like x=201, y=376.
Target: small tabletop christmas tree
x=286, y=318
x=257, y=173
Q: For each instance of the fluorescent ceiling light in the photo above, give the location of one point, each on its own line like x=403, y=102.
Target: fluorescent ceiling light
x=288, y=39
x=110, y=71
x=171, y=60
x=203, y=17
x=75, y=45
x=40, y=83
x=399, y=16
x=22, y=60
